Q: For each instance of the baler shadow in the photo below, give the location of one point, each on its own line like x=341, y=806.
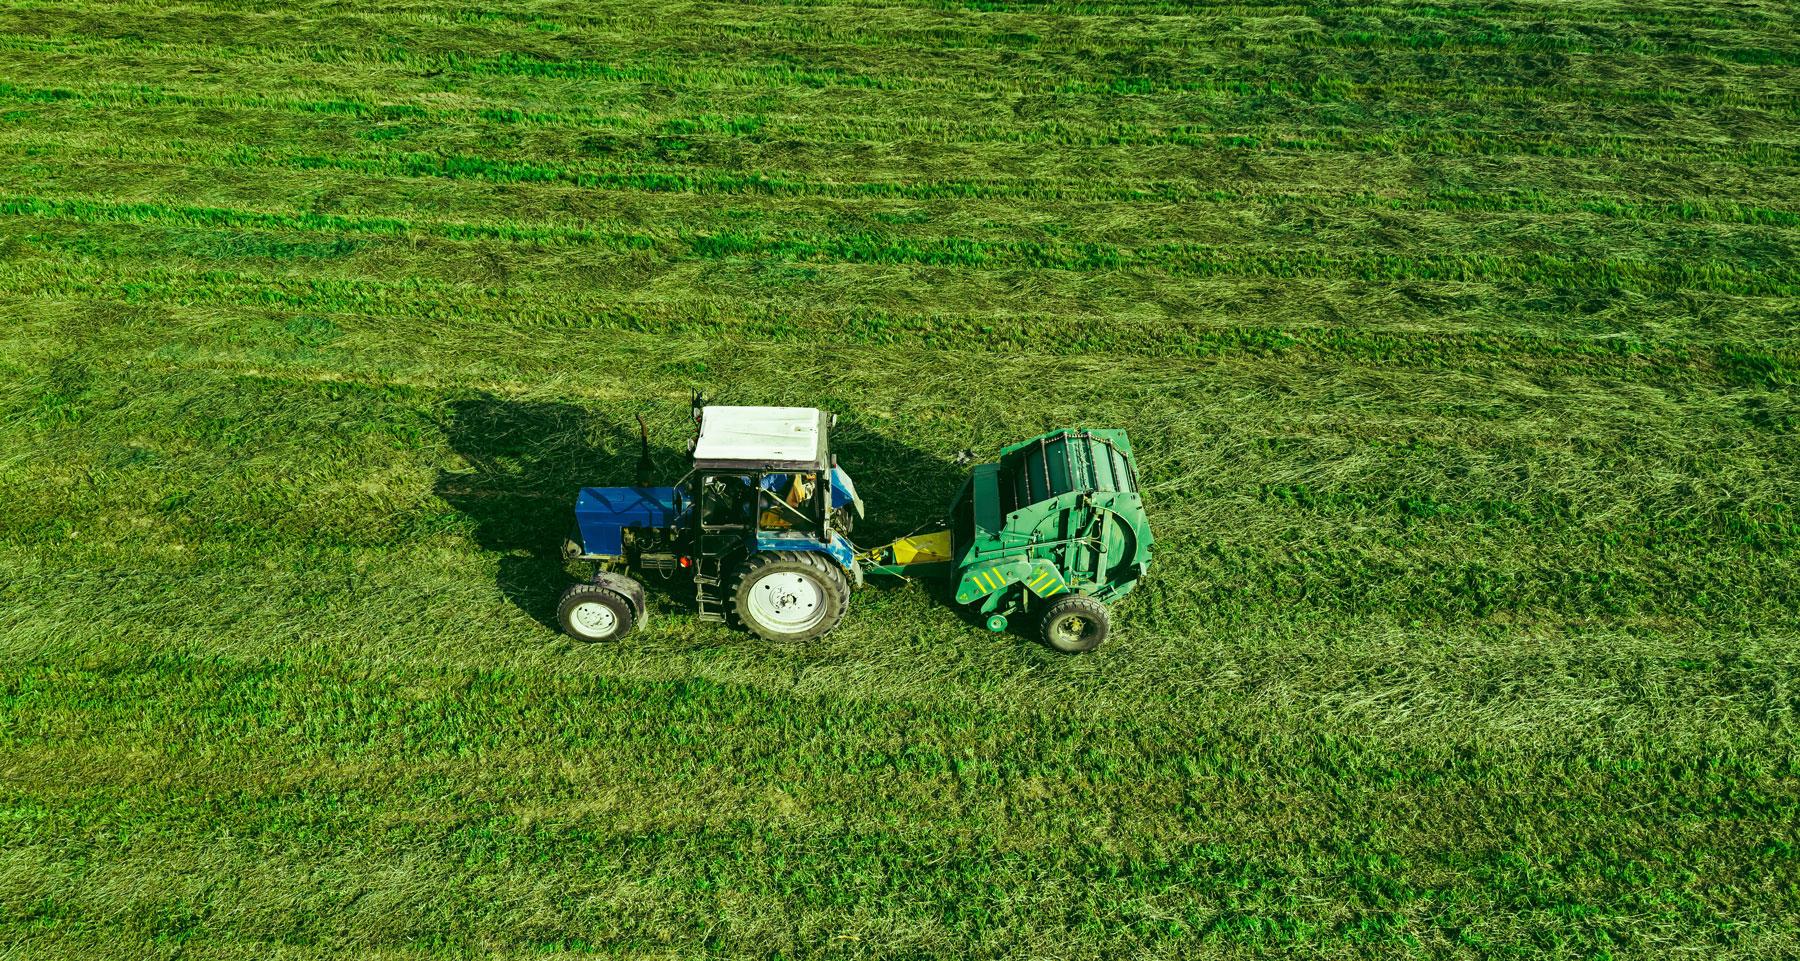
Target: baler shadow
x=903, y=488
x=526, y=459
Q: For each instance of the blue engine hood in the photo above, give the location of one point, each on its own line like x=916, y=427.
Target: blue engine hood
x=603, y=513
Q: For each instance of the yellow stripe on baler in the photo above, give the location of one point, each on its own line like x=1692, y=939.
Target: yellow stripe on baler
x=1046, y=582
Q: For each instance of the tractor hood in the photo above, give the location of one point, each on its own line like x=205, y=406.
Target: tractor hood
x=603, y=513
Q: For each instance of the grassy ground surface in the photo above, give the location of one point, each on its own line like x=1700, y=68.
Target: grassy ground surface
x=1459, y=341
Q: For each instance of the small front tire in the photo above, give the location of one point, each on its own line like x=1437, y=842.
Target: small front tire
x=1075, y=624
x=589, y=612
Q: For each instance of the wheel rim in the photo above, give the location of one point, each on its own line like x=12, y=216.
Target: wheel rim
x=593, y=619
x=1072, y=629
x=788, y=601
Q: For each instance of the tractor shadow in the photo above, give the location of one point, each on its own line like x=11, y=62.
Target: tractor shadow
x=524, y=462
x=526, y=459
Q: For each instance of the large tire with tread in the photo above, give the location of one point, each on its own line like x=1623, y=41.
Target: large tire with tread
x=1074, y=624
x=589, y=612
x=790, y=596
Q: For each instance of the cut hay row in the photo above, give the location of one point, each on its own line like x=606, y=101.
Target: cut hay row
x=1159, y=176
x=829, y=33
x=856, y=126
x=1236, y=72
x=1570, y=273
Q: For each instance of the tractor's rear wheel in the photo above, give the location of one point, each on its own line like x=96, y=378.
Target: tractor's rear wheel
x=1075, y=624
x=790, y=595
x=589, y=612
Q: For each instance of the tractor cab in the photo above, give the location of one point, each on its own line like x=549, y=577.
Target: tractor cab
x=764, y=479
x=759, y=521
x=758, y=468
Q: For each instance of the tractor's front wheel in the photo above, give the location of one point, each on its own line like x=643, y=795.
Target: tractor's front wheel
x=1075, y=624
x=589, y=612
x=790, y=595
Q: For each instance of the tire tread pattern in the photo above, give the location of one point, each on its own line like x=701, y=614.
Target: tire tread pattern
x=824, y=570
x=1074, y=604
x=622, y=608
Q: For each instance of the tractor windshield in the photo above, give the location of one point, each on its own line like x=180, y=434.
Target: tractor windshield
x=786, y=501
x=779, y=501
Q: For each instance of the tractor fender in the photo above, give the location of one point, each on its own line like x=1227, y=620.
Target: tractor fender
x=626, y=587
x=843, y=492
x=838, y=549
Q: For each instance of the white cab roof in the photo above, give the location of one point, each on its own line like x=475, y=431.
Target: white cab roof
x=760, y=436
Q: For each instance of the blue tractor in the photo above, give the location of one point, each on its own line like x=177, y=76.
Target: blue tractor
x=759, y=520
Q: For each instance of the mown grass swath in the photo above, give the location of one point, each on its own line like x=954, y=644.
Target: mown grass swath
x=1459, y=343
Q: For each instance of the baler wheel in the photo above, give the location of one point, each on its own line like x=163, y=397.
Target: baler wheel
x=790, y=595
x=1075, y=624
x=589, y=612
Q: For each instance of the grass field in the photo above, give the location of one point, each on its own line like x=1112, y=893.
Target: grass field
x=1460, y=343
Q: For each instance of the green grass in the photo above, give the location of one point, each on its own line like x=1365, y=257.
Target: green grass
x=1460, y=344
